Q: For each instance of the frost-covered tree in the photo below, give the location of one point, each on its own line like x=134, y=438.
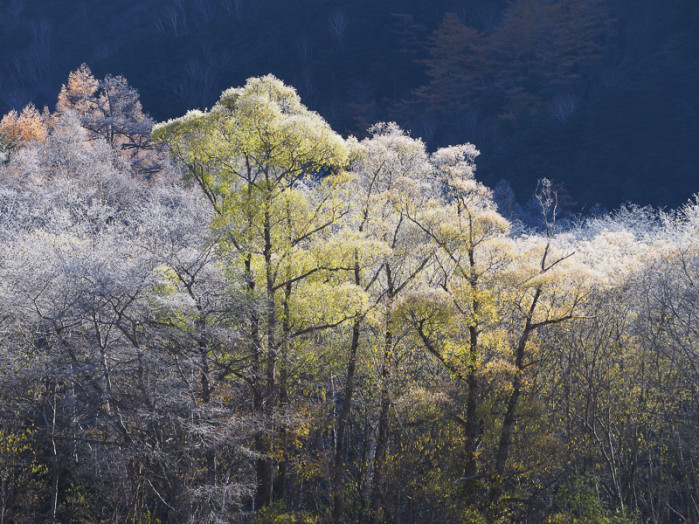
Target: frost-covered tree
x=110, y=108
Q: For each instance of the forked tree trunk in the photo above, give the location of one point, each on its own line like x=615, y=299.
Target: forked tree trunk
x=508, y=422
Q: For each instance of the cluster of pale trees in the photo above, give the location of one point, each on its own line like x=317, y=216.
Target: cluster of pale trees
x=283, y=325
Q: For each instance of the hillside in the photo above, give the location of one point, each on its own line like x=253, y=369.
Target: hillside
x=600, y=97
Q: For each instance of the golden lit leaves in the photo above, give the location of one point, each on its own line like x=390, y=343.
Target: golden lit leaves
x=79, y=94
x=18, y=129
x=321, y=303
x=19, y=466
x=418, y=404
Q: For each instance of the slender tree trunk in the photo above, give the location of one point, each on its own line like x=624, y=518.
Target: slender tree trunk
x=382, y=434
x=206, y=386
x=271, y=320
x=338, y=464
x=258, y=400
x=348, y=391
x=203, y=344
x=283, y=469
x=471, y=427
x=505, y=439
x=265, y=467
x=385, y=403
x=471, y=423
x=3, y=497
x=56, y=473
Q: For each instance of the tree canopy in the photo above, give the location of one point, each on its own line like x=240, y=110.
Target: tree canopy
x=279, y=324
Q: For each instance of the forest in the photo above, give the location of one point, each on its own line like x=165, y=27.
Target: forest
x=240, y=315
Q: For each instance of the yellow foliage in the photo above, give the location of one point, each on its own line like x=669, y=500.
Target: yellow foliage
x=79, y=94
x=18, y=129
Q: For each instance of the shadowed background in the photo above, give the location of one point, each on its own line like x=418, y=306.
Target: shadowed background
x=598, y=95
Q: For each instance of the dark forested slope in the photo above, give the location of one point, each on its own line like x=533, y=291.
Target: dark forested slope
x=599, y=96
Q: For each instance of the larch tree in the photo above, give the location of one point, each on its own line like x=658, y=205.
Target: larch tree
x=110, y=108
x=18, y=129
x=456, y=66
x=535, y=44
x=79, y=93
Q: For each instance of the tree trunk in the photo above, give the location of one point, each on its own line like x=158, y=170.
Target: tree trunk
x=338, y=464
x=382, y=435
x=471, y=427
x=263, y=443
x=508, y=422
x=282, y=471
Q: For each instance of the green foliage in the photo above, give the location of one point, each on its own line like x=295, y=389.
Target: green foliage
x=578, y=502
x=276, y=513
x=472, y=516
x=147, y=518
x=79, y=504
x=6, y=148
x=22, y=475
